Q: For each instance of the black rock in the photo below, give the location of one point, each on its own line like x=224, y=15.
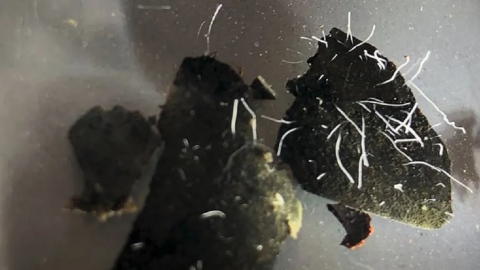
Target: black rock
x=112, y=148
x=343, y=83
x=216, y=201
x=356, y=224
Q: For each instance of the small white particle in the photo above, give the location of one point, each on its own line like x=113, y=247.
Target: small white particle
x=408, y=129
x=380, y=61
x=199, y=30
x=282, y=121
x=213, y=213
x=382, y=203
x=417, y=138
x=434, y=126
x=364, y=149
x=307, y=38
x=137, y=246
x=349, y=30
x=412, y=67
x=185, y=142
x=348, y=119
x=232, y=156
x=420, y=67
x=333, y=131
x=182, y=174
x=196, y=147
x=440, y=184
x=324, y=126
x=363, y=42
x=339, y=161
x=396, y=71
x=364, y=106
x=409, y=116
x=384, y=104
x=320, y=40
x=406, y=140
x=376, y=53
x=396, y=147
x=279, y=200
x=360, y=166
x=385, y=121
x=253, y=122
x=441, y=148
x=280, y=144
x=375, y=99
x=297, y=52
x=234, y=116
x=210, y=28
x=445, y=118
x=292, y=62
x=449, y=214
x=259, y=247
x=153, y=7
x=440, y=170
x=321, y=175
x=398, y=187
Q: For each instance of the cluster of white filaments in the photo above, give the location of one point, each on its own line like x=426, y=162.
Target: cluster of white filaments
x=394, y=127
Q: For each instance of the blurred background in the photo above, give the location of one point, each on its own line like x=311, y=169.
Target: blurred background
x=58, y=58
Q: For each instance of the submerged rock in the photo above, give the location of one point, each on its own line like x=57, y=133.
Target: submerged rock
x=112, y=148
x=216, y=200
x=359, y=137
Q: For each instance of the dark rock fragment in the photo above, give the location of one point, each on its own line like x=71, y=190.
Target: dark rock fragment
x=216, y=199
x=356, y=224
x=112, y=148
x=344, y=95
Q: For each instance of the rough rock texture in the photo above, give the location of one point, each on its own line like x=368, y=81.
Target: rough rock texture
x=341, y=81
x=216, y=201
x=112, y=148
